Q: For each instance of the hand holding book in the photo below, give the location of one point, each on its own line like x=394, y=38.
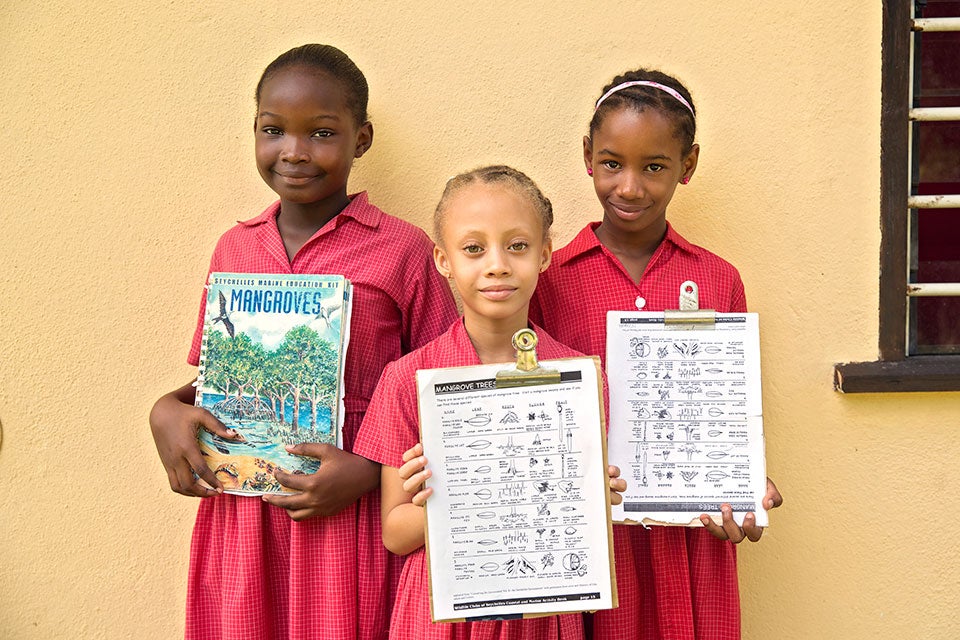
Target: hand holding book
x=174, y=422
x=341, y=479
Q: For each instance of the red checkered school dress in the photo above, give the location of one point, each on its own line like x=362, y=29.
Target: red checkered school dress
x=390, y=427
x=672, y=582
x=254, y=572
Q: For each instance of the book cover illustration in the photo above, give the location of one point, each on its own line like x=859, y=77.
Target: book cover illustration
x=271, y=368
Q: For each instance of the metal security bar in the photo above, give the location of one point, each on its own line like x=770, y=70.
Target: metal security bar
x=935, y=114
x=933, y=202
x=936, y=24
x=933, y=289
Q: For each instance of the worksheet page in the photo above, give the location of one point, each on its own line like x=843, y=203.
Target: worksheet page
x=686, y=425
x=519, y=521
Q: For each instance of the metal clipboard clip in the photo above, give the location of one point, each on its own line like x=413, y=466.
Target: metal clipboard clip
x=528, y=371
x=689, y=315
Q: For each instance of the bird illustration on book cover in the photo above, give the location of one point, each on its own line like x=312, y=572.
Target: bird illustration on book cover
x=271, y=368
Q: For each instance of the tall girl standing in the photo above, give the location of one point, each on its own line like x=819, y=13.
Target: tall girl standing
x=311, y=564
x=672, y=582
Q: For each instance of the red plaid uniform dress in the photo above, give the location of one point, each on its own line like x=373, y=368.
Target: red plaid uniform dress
x=390, y=427
x=254, y=572
x=672, y=582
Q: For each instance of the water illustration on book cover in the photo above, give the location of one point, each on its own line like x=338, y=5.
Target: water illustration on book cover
x=271, y=368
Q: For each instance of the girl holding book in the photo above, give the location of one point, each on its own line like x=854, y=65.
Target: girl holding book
x=492, y=228
x=310, y=564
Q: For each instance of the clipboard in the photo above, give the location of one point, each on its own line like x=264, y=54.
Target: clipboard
x=519, y=524
x=686, y=413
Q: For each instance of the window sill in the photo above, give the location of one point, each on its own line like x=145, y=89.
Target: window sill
x=916, y=373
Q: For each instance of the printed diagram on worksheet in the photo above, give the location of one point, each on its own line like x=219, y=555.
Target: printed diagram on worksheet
x=686, y=426
x=518, y=523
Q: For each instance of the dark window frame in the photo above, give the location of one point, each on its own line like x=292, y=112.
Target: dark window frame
x=896, y=370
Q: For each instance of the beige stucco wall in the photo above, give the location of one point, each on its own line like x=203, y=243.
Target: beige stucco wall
x=127, y=150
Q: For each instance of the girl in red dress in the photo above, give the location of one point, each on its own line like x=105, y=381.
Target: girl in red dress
x=672, y=582
x=492, y=228
x=311, y=564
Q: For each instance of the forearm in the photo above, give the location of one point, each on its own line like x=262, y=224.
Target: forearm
x=404, y=528
x=403, y=523
x=365, y=474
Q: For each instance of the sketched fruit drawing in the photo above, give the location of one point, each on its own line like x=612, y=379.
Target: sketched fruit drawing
x=571, y=562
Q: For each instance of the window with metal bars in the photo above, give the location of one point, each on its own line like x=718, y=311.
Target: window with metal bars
x=920, y=204
x=933, y=321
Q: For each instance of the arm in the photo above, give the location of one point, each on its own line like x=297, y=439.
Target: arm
x=174, y=422
x=401, y=504
x=339, y=482
x=729, y=530
x=426, y=301
x=738, y=303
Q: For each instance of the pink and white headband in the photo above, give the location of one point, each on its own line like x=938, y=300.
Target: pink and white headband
x=645, y=83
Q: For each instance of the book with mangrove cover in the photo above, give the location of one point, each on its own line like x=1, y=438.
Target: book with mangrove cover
x=271, y=368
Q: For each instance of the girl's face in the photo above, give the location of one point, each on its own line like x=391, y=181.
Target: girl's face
x=637, y=163
x=492, y=244
x=306, y=137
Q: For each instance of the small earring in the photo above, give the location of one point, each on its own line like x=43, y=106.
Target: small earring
x=685, y=180
x=589, y=171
